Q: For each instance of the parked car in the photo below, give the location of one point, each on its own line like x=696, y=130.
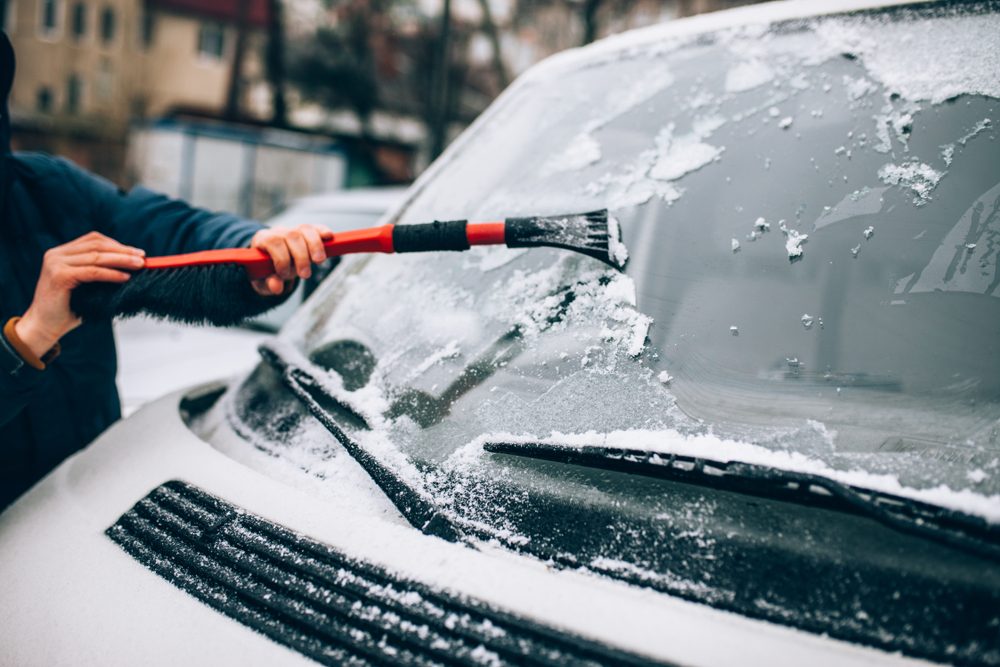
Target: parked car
x=156, y=358
x=773, y=439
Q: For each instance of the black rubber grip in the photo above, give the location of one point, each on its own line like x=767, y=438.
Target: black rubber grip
x=437, y=235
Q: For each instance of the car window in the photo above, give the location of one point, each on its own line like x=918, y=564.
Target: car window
x=813, y=230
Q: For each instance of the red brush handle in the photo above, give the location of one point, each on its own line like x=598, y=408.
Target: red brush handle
x=373, y=239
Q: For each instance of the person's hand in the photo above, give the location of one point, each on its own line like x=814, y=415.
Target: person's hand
x=90, y=258
x=293, y=251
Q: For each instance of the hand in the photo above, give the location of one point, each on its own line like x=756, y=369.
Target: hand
x=293, y=252
x=90, y=258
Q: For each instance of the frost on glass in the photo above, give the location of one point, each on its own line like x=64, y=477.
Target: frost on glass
x=812, y=229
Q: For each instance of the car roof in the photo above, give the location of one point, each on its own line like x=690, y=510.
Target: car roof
x=764, y=13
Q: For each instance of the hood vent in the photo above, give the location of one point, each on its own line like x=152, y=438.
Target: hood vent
x=323, y=604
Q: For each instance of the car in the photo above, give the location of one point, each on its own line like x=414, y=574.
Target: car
x=156, y=358
x=772, y=439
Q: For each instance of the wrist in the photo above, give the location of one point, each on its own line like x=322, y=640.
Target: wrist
x=36, y=338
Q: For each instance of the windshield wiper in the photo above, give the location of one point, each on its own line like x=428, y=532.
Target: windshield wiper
x=940, y=524
x=415, y=508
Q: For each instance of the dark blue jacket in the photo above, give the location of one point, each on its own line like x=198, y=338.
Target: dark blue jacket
x=44, y=201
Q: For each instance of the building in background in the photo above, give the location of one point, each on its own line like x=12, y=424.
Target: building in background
x=244, y=104
x=74, y=66
x=148, y=90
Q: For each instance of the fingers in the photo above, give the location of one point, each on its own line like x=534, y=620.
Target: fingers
x=300, y=253
x=270, y=286
x=314, y=240
x=97, y=242
x=276, y=247
x=112, y=259
x=293, y=251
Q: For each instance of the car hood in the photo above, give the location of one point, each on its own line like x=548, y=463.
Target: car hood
x=62, y=572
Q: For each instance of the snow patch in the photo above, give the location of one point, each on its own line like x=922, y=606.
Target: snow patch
x=981, y=126
x=922, y=60
x=747, y=75
x=449, y=351
x=918, y=177
x=793, y=241
x=679, y=156
x=616, y=248
x=583, y=150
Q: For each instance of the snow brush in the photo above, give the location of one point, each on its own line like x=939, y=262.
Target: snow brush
x=213, y=286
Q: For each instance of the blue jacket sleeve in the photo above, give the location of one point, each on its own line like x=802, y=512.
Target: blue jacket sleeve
x=156, y=223
x=16, y=389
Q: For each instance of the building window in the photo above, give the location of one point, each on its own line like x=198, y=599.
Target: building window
x=43, y=99
x=104, y=85
x=108, y=21
x=147, y=28
x=74, y=93
x=48, y=19
x=9, y=17
x=211, y=40
x=79, y=21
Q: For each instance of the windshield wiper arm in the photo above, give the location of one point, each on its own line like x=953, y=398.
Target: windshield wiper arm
x=417, y=510
x=925, y=520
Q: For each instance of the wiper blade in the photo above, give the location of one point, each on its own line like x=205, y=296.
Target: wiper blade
x=956, y=529
x=415, y=508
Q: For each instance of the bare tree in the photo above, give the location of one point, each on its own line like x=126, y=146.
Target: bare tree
x=235, y=90
x=276, y=62
x=490, y=28
x=336, y=68
x=441, y=93
x=590, y=8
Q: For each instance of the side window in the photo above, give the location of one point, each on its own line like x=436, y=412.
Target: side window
x=211, y=40
x=147, y=28
x=108, y=25
x=78, y=21
x=48, y=18
x=105, y=80
x=74, y=93
x=43, y=99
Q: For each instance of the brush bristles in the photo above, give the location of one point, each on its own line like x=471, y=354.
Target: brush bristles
x=590, y=233
x=219, y=294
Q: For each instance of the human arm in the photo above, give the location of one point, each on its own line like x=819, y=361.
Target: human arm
x=165, y=226
x=30, y=341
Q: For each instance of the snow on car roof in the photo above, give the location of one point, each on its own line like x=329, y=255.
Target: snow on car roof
x=768, y=12
x=887, y=57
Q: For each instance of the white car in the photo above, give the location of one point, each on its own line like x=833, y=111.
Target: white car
x=156, y=358
x=772, y=440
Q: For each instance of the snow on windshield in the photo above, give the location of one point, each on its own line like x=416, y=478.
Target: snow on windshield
x=725, y=330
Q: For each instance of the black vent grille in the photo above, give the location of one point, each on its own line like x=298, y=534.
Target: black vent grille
x=317, y=601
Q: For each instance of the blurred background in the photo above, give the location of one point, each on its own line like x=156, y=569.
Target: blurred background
x=247, y=105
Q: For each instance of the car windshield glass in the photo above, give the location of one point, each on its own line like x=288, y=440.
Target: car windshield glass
x=812, y=212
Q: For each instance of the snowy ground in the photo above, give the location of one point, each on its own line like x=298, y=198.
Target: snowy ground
x=155, y=357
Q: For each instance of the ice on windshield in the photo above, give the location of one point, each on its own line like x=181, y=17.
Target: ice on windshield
x=799, y=206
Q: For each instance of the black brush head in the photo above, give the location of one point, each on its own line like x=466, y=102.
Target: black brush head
x=219, y=294
x=593, y=234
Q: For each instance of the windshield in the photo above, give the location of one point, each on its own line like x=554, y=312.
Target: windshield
x=812, y=213
x=813, y=218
